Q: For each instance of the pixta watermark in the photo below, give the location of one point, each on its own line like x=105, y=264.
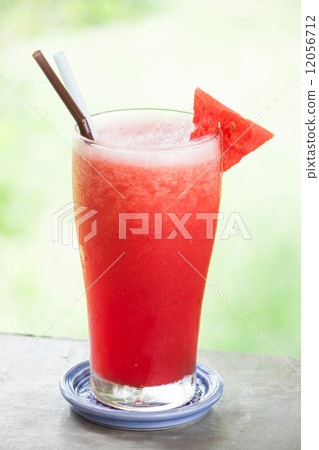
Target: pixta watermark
x=139, y=223
x=66, y=223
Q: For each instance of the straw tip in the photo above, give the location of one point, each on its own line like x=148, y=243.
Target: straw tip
x=36, y=53
x=59, y=53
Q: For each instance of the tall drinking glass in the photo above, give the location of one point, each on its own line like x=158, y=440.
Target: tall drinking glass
x=145, y=262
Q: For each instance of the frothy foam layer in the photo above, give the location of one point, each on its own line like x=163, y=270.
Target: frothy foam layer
x=145, y=130
x=148, y=138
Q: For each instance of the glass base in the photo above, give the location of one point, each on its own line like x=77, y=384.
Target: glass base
x=151, y=398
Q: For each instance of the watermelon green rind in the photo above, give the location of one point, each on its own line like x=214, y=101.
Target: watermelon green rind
x=240, y=136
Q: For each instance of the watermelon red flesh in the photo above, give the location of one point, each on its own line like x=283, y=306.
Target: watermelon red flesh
x=240, y=136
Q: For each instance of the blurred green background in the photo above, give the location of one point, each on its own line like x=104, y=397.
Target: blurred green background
x=133, y=53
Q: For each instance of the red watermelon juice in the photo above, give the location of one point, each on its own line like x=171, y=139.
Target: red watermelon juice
x=154, y=226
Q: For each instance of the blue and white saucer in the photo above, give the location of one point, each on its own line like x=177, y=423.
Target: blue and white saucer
x=75, y=388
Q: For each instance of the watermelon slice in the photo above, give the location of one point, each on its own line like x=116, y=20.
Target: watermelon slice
x=240, y=136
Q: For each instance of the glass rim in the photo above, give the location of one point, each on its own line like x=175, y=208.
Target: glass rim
x=92, y=143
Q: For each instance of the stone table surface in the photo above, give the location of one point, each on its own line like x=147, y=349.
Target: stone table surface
x=260, y=407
